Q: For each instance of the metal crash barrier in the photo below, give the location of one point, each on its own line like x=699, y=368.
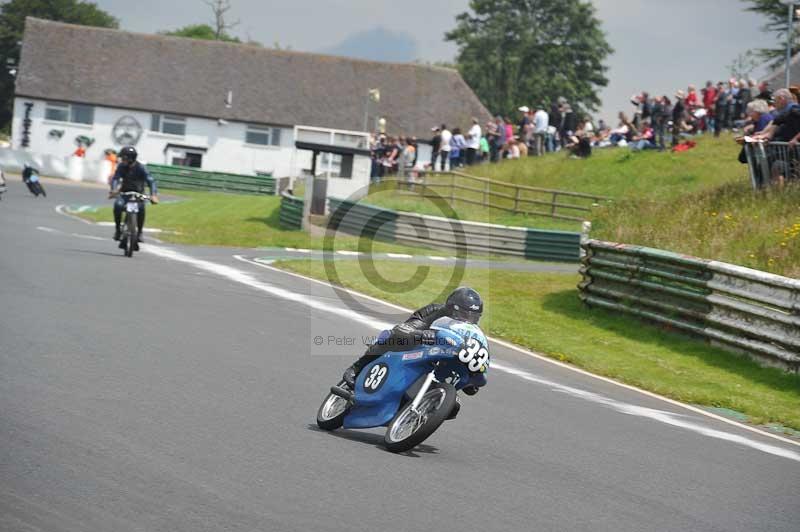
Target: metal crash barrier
x=446, y=233
x=746, y=310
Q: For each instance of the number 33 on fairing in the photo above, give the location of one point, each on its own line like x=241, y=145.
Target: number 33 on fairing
x=475, y=356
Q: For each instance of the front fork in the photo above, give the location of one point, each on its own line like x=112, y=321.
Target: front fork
x=429, y=379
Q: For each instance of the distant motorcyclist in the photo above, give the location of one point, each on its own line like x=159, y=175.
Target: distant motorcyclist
x=30, y=176
x=130, y=176
x=463, y=304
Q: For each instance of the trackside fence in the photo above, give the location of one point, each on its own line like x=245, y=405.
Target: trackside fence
x=445, y=233
x=291, y=212
x=184, y=178
x=770, y=162
x=749, y=311
x=500, y=195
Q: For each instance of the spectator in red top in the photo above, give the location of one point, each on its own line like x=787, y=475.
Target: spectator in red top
x=691, y=99
x=709, y=97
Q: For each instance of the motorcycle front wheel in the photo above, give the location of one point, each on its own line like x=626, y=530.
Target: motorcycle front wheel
x=133, y=236
x=408, y=428
x=332, y=412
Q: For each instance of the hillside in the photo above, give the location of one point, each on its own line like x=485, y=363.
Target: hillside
x=698, y=202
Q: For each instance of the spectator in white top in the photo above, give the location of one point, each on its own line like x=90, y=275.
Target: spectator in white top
x=445, y=147
x=541, y=122
x=473, y=142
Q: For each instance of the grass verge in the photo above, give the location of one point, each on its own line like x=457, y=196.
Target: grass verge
x=551, y=319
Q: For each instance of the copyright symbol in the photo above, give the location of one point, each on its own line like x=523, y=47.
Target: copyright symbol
x=318, y=340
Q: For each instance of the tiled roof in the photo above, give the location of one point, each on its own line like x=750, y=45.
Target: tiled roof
x=192, y=77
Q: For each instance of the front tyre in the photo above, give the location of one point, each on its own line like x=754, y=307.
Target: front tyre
x=332, y=412
x=408, y=428
x=133, y=234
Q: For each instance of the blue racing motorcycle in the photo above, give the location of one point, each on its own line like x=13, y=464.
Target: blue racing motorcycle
x=411, y=393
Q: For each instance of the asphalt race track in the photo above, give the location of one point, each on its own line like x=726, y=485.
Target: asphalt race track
x=177, y=391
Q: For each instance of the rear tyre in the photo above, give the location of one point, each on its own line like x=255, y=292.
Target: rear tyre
x=332, y=412
x=132, y=227
x=409, y=429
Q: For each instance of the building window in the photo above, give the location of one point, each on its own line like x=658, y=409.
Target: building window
x=65, y=112
x=263, y=136
x=169, y=124
x=82, y=114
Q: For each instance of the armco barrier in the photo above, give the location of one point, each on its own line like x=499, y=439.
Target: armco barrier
x=291, y=212
x=181, y=177
x=750, y=311
x=446, y=233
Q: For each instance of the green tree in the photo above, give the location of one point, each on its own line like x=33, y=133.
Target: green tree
x=201, y=31
x=12, y=25
x=515, y=52
x=777, y=15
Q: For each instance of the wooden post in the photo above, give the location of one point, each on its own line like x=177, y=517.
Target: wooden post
x=452, y=189
x=485, y=192
x=553, y=210
x=516, y=200
x=424, y=177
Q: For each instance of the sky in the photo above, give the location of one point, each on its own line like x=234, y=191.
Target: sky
x=660, y=45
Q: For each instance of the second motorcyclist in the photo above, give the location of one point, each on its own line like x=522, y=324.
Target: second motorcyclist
x=130, y=176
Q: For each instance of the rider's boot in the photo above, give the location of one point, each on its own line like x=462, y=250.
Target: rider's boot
x=349, y=376
x=117, y=233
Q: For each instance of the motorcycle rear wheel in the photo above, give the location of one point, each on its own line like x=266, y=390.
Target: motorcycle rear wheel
x=408, y=429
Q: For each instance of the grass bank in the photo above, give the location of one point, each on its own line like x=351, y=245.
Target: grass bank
x=698, y=202
x=621, y=173
x=618, y=173
x=543, y=312
x=731, y=223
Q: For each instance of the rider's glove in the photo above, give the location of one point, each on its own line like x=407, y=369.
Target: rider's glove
x=428, y=337
x=470, y=389
x=154, y=199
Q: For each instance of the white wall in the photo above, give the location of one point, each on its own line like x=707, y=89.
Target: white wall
x=225, y=144
x=355, y=187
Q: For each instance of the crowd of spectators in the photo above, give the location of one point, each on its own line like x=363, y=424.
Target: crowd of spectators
x=654, y=123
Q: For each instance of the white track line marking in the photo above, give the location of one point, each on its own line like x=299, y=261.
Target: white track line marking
x=61, y=209
x=245, y=278
x=669, y=418
x=549, y=360
x=399, y=256
x=296, y=250
x=434, y=257
x=77, y=235
x=350, y=253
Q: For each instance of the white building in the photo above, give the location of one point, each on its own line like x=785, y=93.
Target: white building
x=212, y=105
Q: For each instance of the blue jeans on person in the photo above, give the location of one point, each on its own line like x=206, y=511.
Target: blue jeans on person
x=643, y=145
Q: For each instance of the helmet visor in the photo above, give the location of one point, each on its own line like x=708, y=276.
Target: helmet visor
x=469, y=316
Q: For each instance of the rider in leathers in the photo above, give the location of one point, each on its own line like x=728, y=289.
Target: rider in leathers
x=463, y=304
x=133, y=177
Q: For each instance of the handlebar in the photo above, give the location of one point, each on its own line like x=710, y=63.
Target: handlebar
x=130, y=195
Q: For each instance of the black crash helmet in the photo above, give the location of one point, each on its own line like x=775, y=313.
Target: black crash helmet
x=465, y=304
x=128, y=153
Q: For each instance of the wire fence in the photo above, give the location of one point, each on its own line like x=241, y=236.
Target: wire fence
x=458, y=187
